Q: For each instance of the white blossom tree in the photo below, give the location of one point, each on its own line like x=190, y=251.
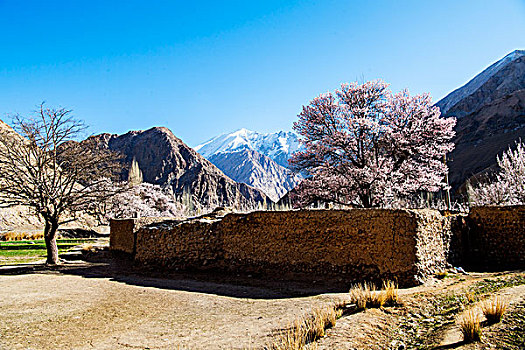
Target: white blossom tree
x=364, y=144
x=508, y=186
x=143, y=200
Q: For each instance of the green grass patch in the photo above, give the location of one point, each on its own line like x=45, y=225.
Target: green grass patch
x=21, y=252
x=439, y=311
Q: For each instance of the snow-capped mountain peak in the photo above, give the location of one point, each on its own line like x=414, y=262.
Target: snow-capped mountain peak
x=257, y=159
x=278, y=146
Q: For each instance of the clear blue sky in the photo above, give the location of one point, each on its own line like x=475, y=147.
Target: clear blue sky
x=207, y=67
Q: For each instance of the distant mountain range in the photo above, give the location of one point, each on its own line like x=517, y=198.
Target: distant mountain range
x=245, y=169
x=165, y=160
x=490, y=111
x=257, y=159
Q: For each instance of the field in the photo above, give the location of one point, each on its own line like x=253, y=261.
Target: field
x=30, y=251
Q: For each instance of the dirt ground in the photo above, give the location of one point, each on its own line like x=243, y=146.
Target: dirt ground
x=85, y=306
x=111, y=305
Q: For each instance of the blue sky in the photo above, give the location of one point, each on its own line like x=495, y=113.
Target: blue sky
x=208, y=67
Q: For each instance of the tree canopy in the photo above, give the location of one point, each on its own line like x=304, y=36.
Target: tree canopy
x=365, y=146
x=46, y=169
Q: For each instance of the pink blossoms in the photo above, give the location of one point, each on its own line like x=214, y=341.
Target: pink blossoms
x=366, y=146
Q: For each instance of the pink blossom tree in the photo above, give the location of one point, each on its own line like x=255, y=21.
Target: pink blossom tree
x=365, y=146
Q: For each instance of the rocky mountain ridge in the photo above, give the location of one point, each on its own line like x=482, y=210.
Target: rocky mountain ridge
x=165, y=160
x=257, y=170
x=257, y=159
x=490, y=111
x=278, y=146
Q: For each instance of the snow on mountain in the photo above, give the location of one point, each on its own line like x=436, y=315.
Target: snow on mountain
x=278, y=146
x=257, y=170
x=257, y=159
x=456, y=96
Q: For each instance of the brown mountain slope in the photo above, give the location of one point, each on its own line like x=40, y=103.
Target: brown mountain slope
x=482, y=135
x=490, y=111
x=165, y=160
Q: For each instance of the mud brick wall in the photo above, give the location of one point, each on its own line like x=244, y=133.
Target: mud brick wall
x=123, y=233
x=496, y=239
x=407, y=245
x=188, y=244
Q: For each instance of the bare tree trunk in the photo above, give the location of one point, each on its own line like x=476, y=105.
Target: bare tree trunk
x=51, y=242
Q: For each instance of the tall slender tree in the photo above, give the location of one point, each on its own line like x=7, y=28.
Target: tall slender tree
x=365, y=145
x=47, y=170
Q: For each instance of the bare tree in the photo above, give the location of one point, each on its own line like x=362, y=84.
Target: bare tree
x=46, y=169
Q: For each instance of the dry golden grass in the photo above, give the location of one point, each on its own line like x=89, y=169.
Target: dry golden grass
x=315, y=325
x=391, y=291
x=470, y=326
x=19, y=236
x=306, y=330
x=471, y=297
x=365, y=295
x=359, y=295
x=494, y=309
x=293, y=338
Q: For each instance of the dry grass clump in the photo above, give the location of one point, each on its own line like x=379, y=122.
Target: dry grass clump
x=365, y=295
x=294, y=338
x=494, y=309
x=19, y=236
x=307, y=329
x=470, y=326
x=391, y=288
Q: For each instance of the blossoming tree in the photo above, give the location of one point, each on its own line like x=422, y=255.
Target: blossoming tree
x=365, y=145
x=508, y=187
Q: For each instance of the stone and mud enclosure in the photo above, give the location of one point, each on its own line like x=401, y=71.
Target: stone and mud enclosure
x=330, y=245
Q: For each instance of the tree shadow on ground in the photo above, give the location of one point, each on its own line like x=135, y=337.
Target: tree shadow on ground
x=122, y=269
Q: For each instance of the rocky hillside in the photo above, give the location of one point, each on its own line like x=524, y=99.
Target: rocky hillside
x=165, y=160
x=498, y=80
x=259, y=160
x=257, y=170
x=491, y=117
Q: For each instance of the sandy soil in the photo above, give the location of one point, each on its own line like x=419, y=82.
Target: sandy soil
x=77, y=308
x=110, y=304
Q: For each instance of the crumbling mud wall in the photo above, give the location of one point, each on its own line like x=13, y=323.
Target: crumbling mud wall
x=496, y=239
x=123, y=233
x=357, y=244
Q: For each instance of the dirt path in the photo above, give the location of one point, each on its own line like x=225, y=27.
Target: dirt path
x=114, y=306
x=62, y=311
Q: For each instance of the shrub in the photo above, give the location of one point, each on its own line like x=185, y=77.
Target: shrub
x=470, y=326
x=494, y=309
x=19, y=236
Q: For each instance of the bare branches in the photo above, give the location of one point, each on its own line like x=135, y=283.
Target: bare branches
x=45, y=168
